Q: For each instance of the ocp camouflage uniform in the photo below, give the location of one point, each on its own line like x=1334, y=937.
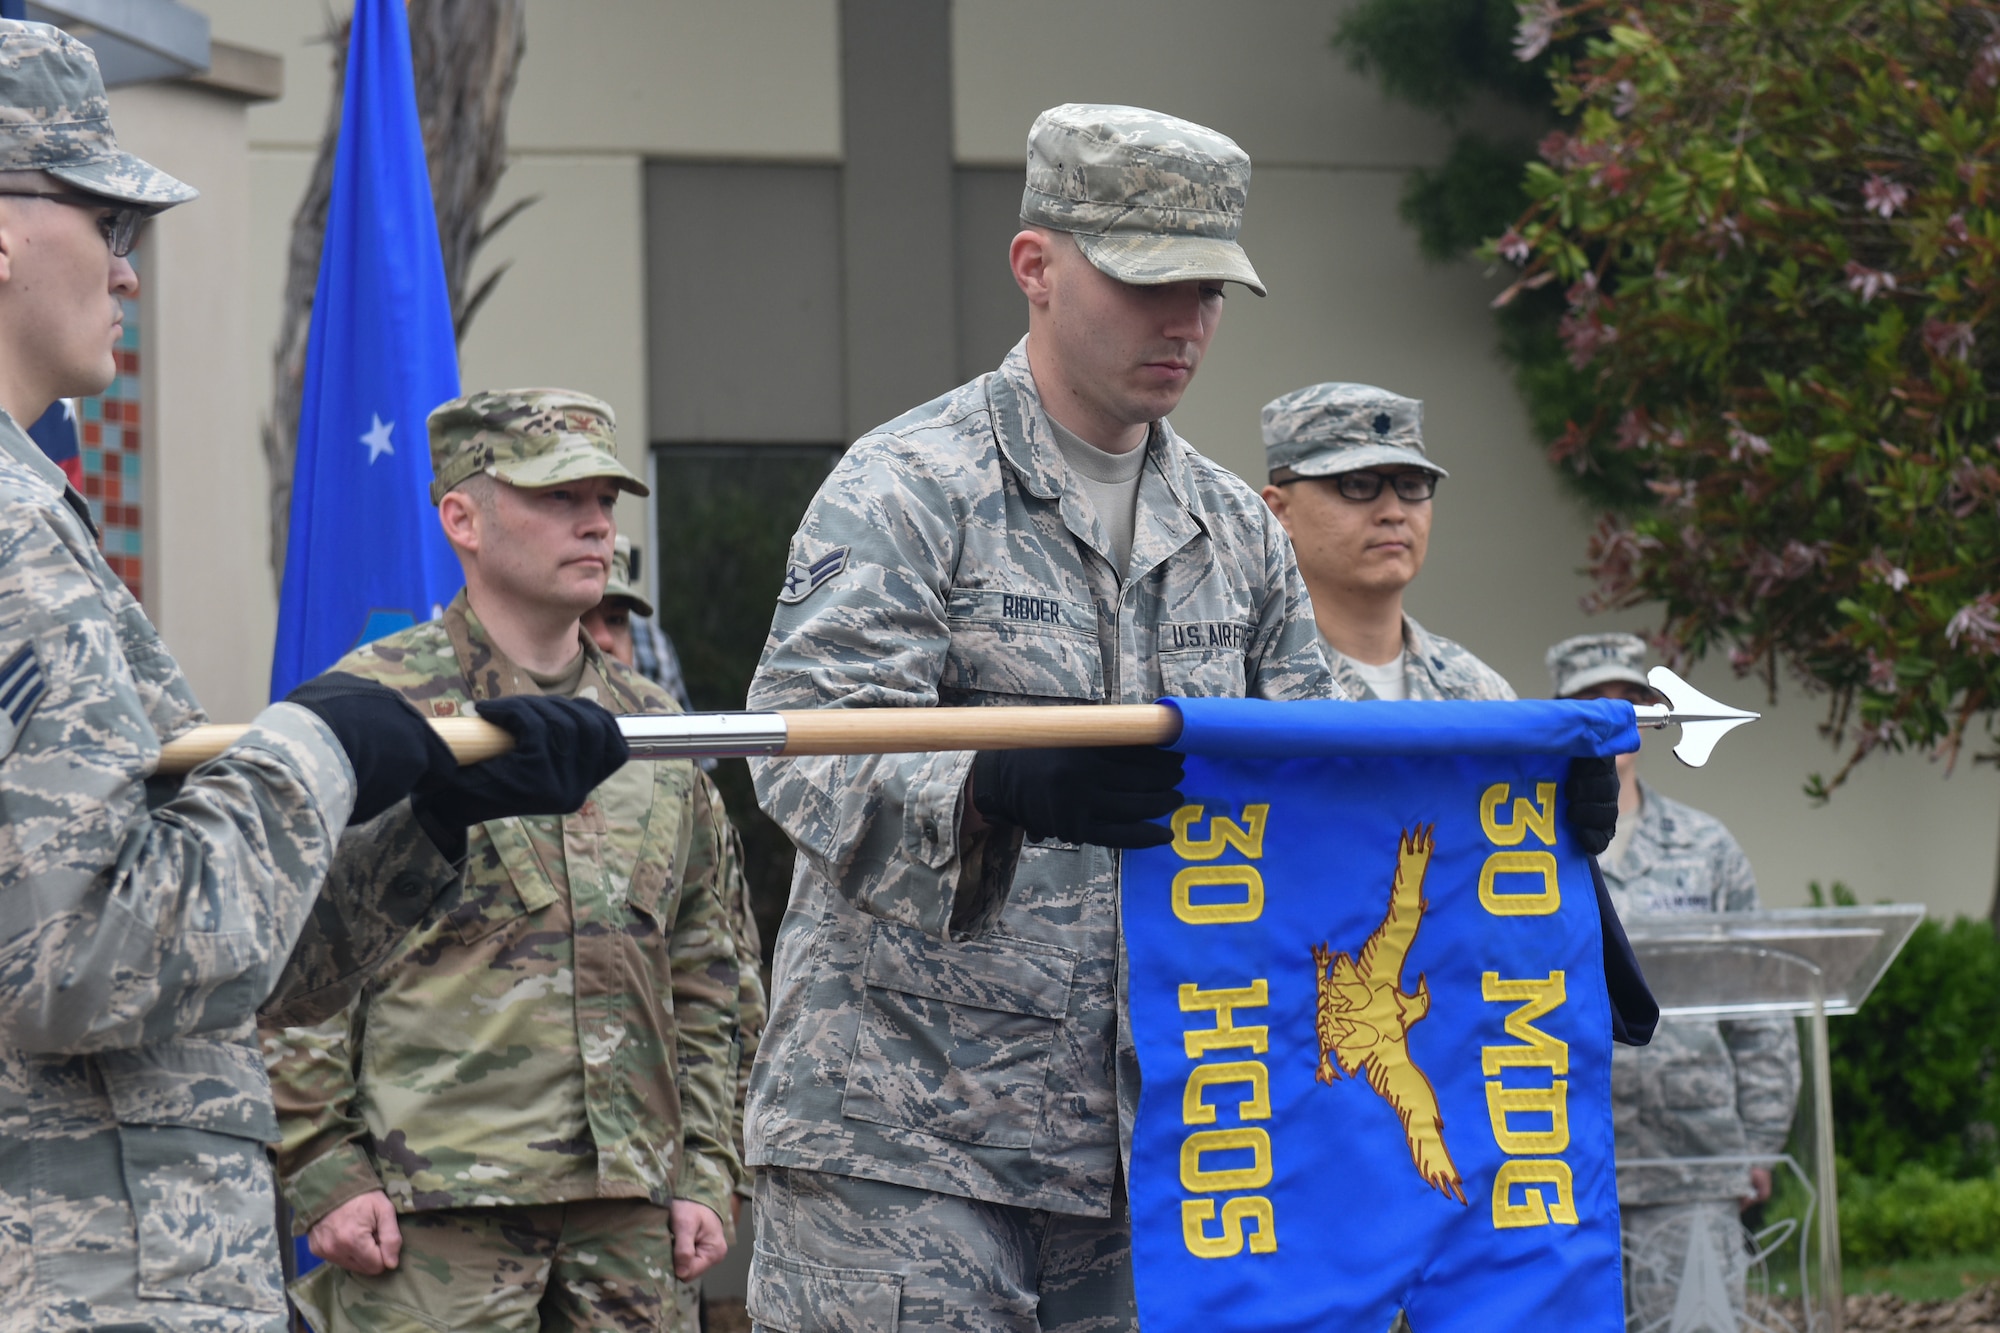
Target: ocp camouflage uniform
x=1434, y=667
x=1702, y=1088
x=750, y=1008
x=141, y=924
x=559, y=1029
x=946, y=1011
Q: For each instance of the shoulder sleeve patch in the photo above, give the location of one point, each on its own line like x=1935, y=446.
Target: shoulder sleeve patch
x=804, y=578
x=22, y=686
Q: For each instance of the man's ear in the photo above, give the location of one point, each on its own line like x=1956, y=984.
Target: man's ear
x=1279, y=504
x=458, y=514
x=1031, y=257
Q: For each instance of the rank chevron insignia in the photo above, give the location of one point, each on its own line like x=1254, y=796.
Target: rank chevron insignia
x=1365, y=1017
x=802, y=579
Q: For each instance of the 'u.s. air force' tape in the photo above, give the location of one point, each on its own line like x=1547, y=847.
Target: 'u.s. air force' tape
x=802, y=580
x=21, y=688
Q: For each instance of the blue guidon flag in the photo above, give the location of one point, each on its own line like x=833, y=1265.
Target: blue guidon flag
x=1367, y=992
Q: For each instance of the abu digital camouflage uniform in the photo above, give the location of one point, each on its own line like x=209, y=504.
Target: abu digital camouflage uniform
x=1434, y=667
x=1702, y=1088
x=141, y=924
x=143, y=920
x=562, y=1026
x=945, y=1011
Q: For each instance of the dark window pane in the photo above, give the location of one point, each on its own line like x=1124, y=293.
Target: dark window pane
x=726, y=515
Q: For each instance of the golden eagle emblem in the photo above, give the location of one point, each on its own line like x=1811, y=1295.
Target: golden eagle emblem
x=1365, y=1017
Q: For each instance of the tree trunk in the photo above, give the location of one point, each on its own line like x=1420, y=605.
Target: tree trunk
x=465, y=54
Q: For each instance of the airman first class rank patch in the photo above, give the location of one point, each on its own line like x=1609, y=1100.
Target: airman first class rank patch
x=802, y=580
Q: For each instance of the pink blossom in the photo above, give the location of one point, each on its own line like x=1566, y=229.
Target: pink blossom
x=1976, y=624
x=1986, y=70
x=1512, y=247
x=1770, y=571
x=1881, y=673
x=1584, y=336
x=1633, y=431
x=1627, y=100
x=1537, y=27
x=1869, y=282
x=1884, y=196
x=1948, y=338
x=1954, y=227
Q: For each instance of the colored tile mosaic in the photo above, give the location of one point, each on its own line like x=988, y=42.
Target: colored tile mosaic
x=109, y=439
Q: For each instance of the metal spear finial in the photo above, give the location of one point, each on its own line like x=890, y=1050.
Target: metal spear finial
x=1702, y=720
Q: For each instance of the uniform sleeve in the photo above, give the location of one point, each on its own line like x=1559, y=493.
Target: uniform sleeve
x=122, y=925
x=751, y=1002
x=1765, y=1051
x=385, y=876
x=321, y=1164
x=874, y=635
x=1285, y=658
x=705, y=984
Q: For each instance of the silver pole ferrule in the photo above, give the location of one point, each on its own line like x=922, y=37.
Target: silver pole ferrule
x=703, y=735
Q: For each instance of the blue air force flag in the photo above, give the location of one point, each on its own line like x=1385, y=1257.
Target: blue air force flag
x=1367, y=992
x=365, y=555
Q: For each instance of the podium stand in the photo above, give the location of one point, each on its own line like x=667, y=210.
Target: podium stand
x=1802, y=964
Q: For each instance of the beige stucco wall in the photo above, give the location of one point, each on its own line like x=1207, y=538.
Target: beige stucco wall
x=607, y=83
x=206, y=584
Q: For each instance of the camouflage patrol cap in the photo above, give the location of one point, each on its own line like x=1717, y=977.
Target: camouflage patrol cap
x=54, y=117
x=1597, y=659
x=1150, y=198
x=525, y=437
x=1329, y=428
x=624, y=580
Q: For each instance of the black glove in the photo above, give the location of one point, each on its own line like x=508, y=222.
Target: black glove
x=393, y=748
x=563, y=748
x=1634, y=1011
x=1100, y=796
x=1592, y=797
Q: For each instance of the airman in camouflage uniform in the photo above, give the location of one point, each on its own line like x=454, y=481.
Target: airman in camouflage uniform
x=142, y=920
x=546, y=1068
x=947, y=1081
x=1703, y=1088
x=1359, y=432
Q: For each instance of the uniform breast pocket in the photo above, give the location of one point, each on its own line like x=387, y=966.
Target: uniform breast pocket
x=512, y=882
x=1017, y=648
x=955, y=1039
x=1204, y=673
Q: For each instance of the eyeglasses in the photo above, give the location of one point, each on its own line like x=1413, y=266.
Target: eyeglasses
x=1362, y=487
x=117, y=223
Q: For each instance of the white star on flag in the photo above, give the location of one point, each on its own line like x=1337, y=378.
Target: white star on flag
x=377, y=437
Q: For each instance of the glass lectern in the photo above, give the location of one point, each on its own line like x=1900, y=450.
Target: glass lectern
x=1805, y=964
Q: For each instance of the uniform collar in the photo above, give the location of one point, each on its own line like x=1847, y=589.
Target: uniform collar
x=491, y=674
x=29, y=454
x=1418, y=652
x=1023, y=435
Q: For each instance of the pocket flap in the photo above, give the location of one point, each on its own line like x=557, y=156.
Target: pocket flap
x=206, y=1083
x=793, y=1296
x=517, y=853
x=1002, y=972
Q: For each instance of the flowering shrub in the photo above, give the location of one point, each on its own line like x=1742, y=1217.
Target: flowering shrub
x=1773, y=227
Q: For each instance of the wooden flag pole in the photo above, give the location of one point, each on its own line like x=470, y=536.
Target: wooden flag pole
x=813, y=731
x=1702, y=721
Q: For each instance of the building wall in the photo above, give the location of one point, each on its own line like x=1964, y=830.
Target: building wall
x=608, y=85
x=207, y=585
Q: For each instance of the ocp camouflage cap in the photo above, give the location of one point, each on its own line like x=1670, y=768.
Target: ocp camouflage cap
x=624, y=580
x=1325, y=429
x=55, y=117
x=1150, y=198
x=525, y=437
x=1578, y=663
